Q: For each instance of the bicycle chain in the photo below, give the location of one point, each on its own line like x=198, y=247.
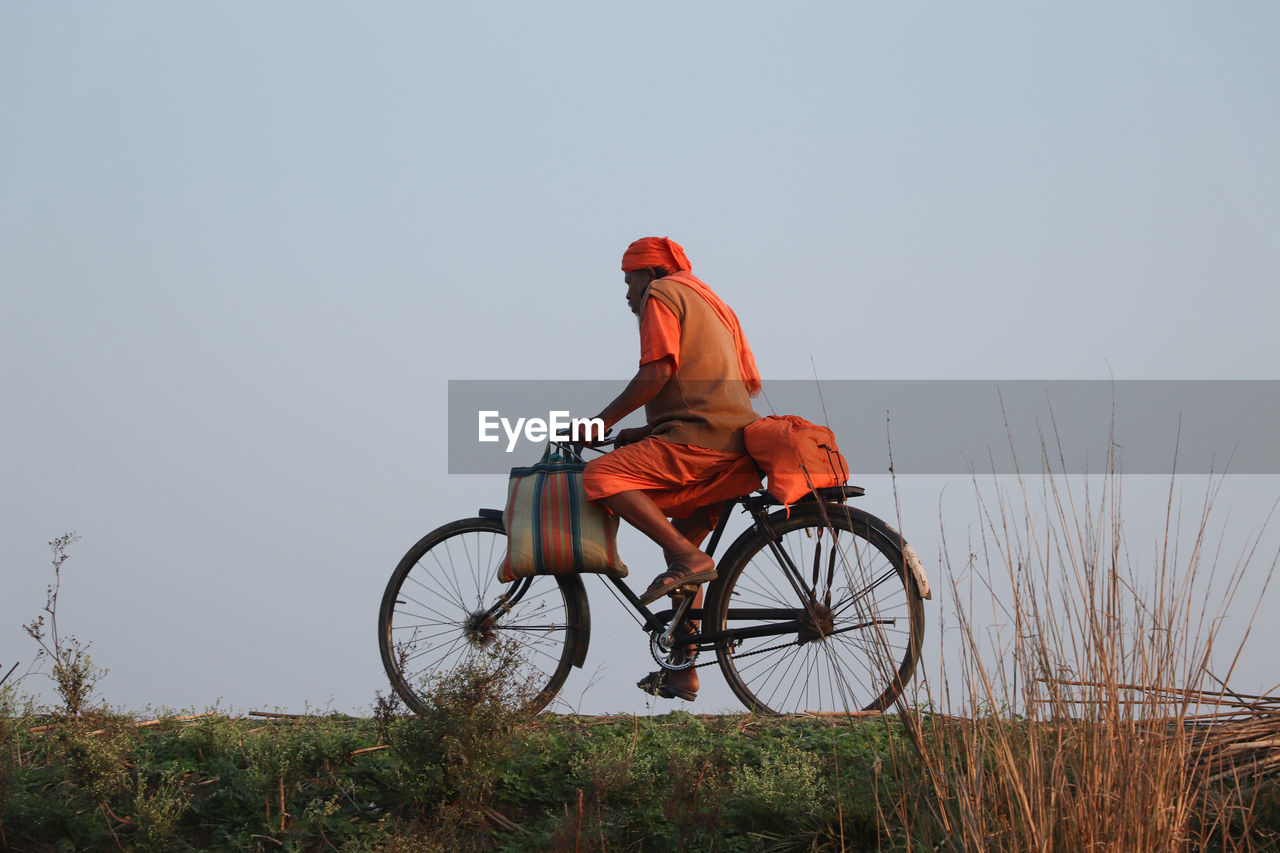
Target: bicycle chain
x=749, y=654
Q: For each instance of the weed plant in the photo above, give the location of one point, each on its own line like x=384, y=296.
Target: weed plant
x=74, y=673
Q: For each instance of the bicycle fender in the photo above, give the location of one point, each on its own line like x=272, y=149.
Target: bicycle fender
x=580, y=612
x=917, y=571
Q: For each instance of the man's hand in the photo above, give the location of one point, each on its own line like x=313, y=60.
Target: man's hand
x=592, y=441
x=630, y=436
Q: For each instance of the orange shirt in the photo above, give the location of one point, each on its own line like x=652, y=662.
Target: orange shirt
x=659, y=334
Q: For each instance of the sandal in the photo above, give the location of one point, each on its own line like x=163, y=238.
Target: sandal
x=675, y=578
x=655, y=684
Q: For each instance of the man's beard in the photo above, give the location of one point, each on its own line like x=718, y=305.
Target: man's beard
x=639, y=306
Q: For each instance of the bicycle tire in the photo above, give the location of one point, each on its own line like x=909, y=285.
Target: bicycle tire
x=858, y=659
x=429, y=628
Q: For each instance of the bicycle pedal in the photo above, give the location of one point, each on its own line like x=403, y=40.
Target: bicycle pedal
x=687, y=591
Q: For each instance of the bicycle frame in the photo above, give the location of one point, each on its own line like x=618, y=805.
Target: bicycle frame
x=789, y=619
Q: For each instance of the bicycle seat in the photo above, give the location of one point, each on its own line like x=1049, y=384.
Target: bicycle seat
x=834, y=494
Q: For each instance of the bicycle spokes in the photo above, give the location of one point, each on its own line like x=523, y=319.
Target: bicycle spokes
x=445, y=612
x=838, y=637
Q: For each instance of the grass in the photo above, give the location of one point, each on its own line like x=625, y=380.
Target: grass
x=212, y=782
x=675, y=782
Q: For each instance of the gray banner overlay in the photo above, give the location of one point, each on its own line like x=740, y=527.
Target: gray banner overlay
x=940, y=427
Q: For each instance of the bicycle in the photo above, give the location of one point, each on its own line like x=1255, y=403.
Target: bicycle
x=816, y=608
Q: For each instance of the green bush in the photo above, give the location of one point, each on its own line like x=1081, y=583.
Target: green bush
x=157, y=809
x=451, y=758
x=778, y=793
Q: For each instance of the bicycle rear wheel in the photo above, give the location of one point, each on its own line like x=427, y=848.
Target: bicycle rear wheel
x=444, y=611
x=840, y=616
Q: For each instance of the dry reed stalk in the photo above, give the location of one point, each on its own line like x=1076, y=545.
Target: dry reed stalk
x=1084, y=726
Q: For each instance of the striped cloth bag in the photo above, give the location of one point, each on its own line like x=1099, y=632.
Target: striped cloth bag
x=552, y=529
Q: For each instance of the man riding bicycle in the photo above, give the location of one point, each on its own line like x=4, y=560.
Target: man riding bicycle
x=695, y=381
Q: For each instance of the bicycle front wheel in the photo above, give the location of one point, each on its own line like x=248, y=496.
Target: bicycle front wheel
x=828, y=617
x=445, y=613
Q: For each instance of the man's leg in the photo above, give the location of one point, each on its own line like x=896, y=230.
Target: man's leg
x=696, y=527
x=691, y=531
x=639, y=510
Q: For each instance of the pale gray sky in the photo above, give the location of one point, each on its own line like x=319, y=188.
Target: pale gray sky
x=244, y=246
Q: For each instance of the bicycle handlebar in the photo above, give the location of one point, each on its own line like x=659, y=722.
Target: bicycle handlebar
x=574, y=449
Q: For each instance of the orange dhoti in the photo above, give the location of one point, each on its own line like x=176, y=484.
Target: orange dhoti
x=680, y=478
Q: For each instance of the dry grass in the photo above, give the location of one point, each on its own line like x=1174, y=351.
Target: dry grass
x=1093, y=718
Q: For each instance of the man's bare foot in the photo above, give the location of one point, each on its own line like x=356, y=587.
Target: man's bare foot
x=671, y=684
x=694, y=559
x=678, y=577
x=684, y=679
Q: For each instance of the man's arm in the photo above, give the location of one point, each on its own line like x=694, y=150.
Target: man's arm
x=642, y=388
x=659, y=355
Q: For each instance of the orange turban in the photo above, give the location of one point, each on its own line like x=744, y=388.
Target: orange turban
x=655, y=252
x=665, y=252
